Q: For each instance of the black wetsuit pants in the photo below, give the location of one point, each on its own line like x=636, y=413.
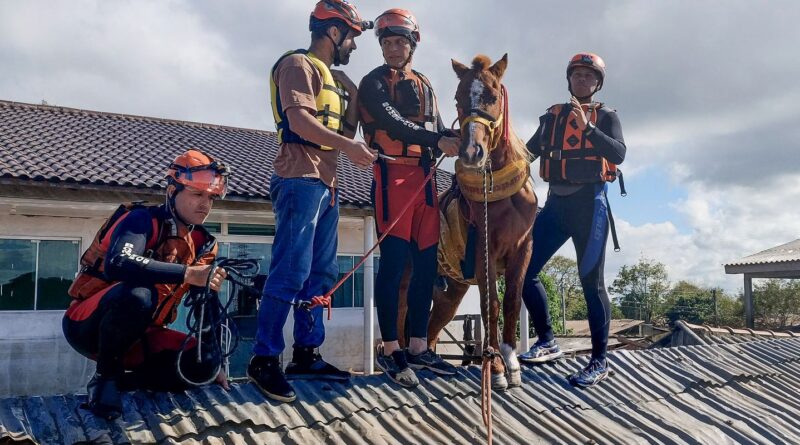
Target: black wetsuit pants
x=582, y=216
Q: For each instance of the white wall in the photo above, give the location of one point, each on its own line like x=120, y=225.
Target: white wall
x=35, y=358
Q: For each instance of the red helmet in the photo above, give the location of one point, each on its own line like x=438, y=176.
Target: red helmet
x=588, y=60
x=198, y=171
x=398, y=22
x=338, y=10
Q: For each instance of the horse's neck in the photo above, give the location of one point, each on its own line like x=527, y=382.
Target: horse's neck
x=509, y=149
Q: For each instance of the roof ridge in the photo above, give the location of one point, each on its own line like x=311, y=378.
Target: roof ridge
x=138, y=117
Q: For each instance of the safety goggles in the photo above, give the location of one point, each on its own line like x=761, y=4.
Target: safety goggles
x=211, y=178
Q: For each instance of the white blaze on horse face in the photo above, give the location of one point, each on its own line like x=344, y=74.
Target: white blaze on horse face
x=510, y=356
x=475, y=93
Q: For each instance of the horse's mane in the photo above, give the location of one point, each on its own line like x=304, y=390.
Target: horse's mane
x=517, y=147
x=481, y=62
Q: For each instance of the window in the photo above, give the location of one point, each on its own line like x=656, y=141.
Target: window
x=36, y=274
x=351, y=293
x=251, y=229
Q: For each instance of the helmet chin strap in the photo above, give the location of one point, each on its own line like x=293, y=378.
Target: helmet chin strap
x=580, y=98
x=337, y=60
x=173, y=210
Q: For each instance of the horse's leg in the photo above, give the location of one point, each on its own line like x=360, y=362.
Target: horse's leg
x=402, y=305
x=512, y=303
x=445, y=305
x=489, y=294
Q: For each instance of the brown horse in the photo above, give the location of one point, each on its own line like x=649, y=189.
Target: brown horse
x=490, y=149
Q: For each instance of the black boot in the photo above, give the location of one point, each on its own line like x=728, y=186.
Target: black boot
x=104, y=400
x=308, y=365
x=268, y=376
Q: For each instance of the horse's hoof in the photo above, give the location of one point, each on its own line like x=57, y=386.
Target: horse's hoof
x=499, y=382
x=514, y=378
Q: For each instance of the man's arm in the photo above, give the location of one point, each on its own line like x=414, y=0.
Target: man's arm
x=295, y=83
x=124, y=260
x=534, y=146
x=607, y=138
x=374, y=97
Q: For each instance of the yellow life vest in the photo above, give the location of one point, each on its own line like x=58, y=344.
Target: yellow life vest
x=330, y=103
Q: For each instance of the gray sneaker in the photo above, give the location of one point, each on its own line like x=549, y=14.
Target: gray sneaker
x=430, y=360
x=541, y=352
x=396, y=367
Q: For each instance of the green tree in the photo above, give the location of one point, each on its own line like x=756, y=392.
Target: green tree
x=641, y=290
x=689, y=302
x=776, y=303
x=730, y=310
x=564, y=273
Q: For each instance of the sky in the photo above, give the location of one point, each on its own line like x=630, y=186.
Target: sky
x=707, y=92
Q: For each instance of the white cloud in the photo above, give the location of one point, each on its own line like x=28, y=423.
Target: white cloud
x=705, y=90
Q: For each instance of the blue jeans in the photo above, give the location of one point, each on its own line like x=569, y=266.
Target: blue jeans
x=303, y=262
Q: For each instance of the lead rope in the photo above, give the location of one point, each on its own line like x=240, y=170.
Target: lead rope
x=325, y=300
x=488, y=351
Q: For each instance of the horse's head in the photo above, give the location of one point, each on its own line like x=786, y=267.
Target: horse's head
x=480, y=101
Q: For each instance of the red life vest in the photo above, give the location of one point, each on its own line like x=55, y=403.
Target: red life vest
x=191, y=248
x=568, y=156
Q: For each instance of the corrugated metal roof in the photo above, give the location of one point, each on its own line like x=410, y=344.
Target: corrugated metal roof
x=581, y=327
x=784, y=253
x=728, y=393
x=68, y=146
x=686, y=334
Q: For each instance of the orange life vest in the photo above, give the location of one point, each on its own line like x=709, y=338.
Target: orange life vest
x=567, y=154
x=412, y=96
x=197, y=247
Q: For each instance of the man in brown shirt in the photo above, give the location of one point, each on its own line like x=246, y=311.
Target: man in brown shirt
x=316, y=115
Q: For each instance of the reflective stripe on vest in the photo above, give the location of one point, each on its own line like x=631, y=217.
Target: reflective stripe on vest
x=330, y=103
x=425, y=116
x=567, y=154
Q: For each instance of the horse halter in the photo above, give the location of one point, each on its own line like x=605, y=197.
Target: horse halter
x=497, y=125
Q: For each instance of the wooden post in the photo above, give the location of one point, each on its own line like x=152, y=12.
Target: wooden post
x=748, y=301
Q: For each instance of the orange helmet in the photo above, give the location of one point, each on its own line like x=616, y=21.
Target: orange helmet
x=589, y=60
x=338, y=10
x=198, y=171
x=398, y=22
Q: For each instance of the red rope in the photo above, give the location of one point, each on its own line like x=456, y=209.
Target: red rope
x=325, y=300
x=506, y=124
x=486, y=393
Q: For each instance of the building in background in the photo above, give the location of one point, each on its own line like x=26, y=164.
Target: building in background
x=63, y=171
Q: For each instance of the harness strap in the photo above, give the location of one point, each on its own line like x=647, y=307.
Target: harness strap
x=611, y=224
x=622, y=190
x=426, y=169
x=384, y=187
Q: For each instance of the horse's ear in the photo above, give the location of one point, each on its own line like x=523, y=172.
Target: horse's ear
x=499, y=67
x=459, y=68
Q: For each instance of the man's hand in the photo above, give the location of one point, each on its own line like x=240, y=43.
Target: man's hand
x=222, y=380
x=577, y=112
x=449, y=145
x=347, y=84
x=359, y=154
x=198, y=276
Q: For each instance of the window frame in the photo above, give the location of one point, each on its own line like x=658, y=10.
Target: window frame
x=356, y=257
x=37, y=240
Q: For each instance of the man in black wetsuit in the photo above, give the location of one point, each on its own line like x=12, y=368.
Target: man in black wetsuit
x=579, y=145
x=133, y=276
x=400, y=119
